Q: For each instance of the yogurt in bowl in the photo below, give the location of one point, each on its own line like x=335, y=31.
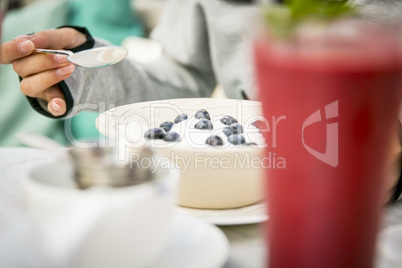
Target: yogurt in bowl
x=212, y=177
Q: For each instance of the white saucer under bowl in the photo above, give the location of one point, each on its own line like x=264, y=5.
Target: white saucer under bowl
x=256, y=213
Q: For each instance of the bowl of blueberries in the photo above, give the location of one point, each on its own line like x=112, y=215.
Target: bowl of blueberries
x=217, y=144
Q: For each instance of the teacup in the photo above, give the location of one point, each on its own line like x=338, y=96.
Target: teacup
x=100, y=226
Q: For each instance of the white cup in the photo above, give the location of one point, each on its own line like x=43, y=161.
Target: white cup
x=100, y=227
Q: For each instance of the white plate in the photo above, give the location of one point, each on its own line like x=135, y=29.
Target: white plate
x=193, y=243
x=245, y=215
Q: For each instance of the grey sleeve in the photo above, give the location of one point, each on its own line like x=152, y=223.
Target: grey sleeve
x=384, y=12
x=184, y=70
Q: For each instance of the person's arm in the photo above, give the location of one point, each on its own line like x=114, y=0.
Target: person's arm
x=183, y=71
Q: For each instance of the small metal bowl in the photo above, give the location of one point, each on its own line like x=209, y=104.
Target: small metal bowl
x=101, y=166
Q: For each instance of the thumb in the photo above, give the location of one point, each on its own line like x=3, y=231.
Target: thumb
x=56, y=101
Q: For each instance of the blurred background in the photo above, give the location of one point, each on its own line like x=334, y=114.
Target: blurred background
x=121, y=22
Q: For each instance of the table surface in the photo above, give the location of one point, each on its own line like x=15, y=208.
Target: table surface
x=246, y=241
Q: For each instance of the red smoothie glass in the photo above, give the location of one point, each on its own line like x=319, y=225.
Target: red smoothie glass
x=334, y=96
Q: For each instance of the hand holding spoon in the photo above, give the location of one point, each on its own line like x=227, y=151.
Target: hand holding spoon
x=91, y=58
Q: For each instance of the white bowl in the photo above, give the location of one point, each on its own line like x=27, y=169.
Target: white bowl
x=100, y=227
x=211, y=177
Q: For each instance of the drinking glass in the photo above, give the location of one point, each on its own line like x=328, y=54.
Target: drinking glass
x=334, y=97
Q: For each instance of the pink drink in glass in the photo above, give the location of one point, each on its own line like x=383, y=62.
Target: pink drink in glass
x=337, y=95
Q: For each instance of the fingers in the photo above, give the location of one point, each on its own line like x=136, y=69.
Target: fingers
x=63, y=38
x=39, y=62
x=17, y=49
x=23, y=46
x=41, y=72
x=34, y=85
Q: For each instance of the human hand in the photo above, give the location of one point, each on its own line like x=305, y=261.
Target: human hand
x=41, y=72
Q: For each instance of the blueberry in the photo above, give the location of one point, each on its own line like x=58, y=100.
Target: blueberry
x=228, y=131
x=237, y=128
x=180, y=117
x=204, y=124
x=214, y=141
x=167, y=126
x=171, y=137
x=259, y=124
x=236, y=139
x=155, y=133
x=228, y=120
x=202, y=114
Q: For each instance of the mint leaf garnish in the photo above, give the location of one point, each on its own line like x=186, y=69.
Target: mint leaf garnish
x=282, y=19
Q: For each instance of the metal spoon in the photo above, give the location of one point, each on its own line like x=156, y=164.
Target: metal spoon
x=39, y=141
x=91, y=58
